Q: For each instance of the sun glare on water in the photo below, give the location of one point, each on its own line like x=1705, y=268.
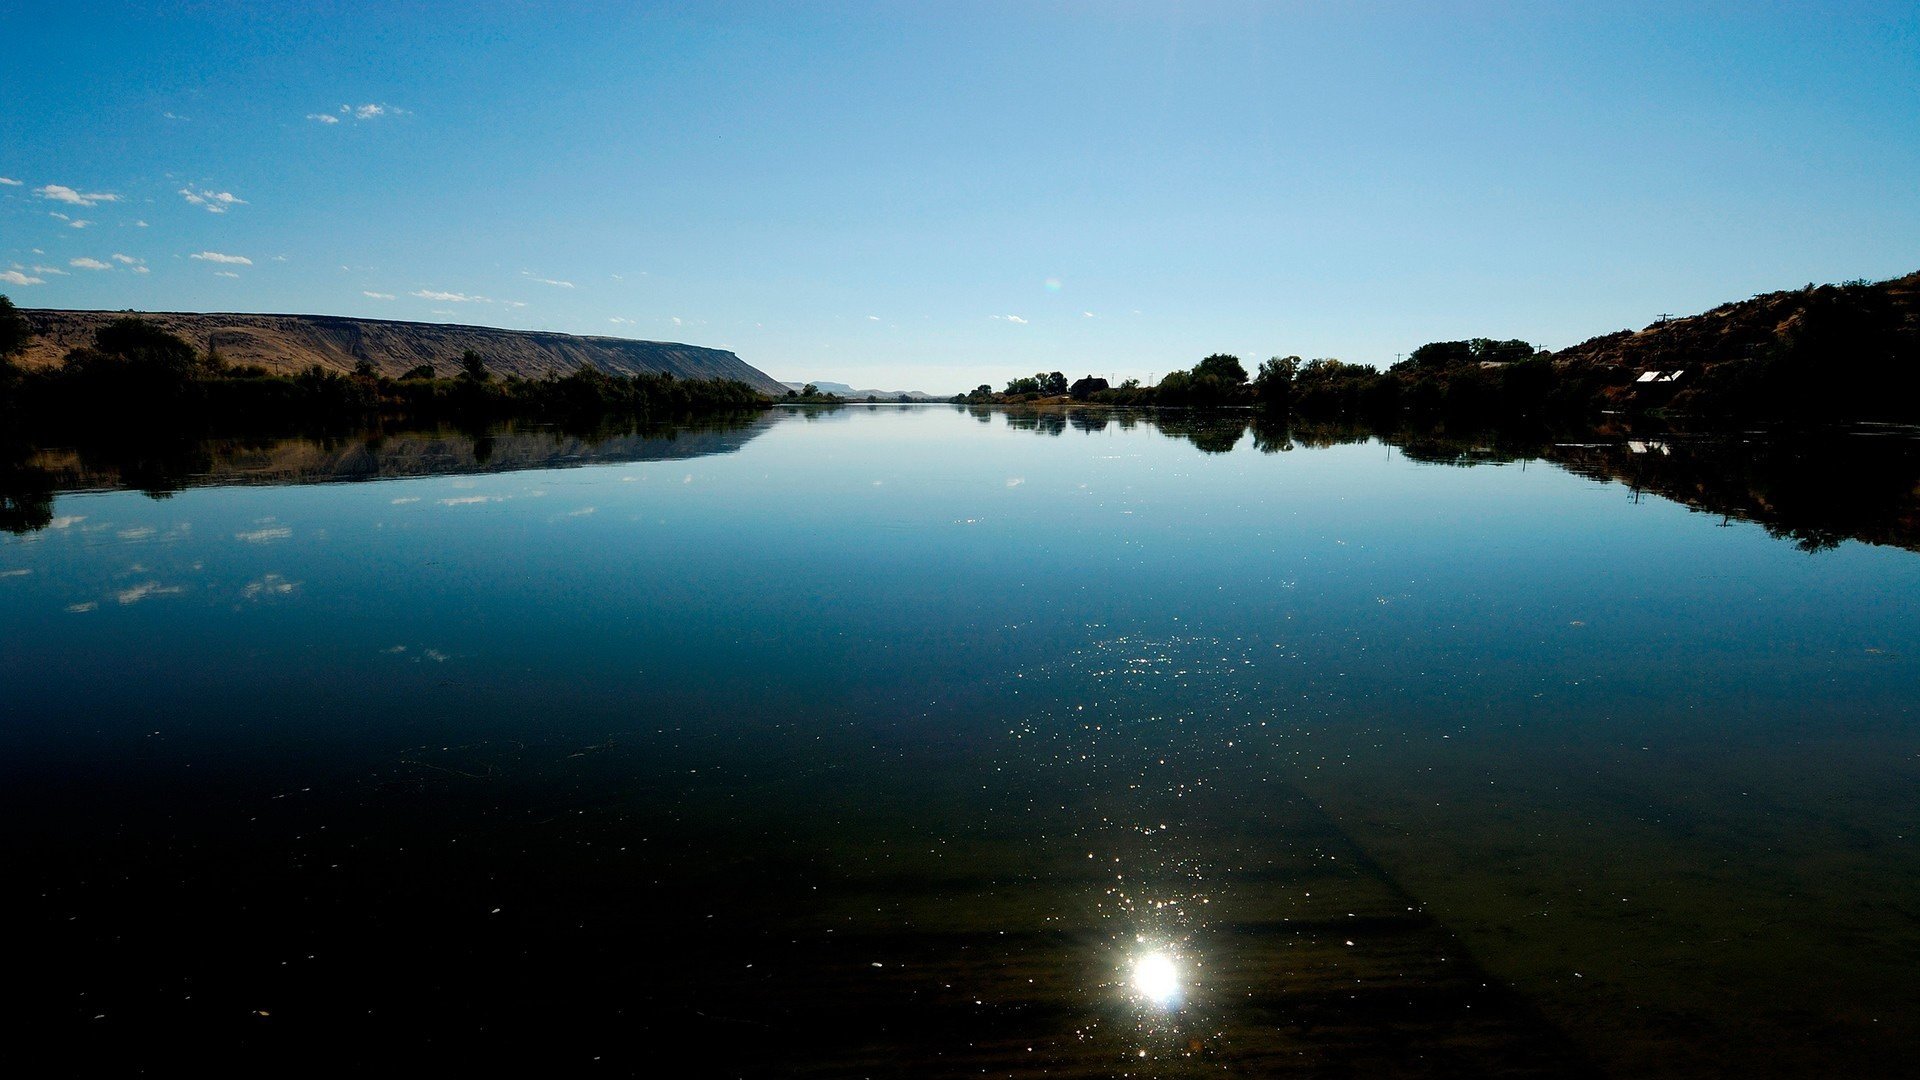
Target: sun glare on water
x=1157, y=978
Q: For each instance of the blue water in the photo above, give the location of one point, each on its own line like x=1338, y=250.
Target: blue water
x=891, y=740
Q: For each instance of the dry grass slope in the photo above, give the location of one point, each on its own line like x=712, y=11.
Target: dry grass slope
x=291, y=343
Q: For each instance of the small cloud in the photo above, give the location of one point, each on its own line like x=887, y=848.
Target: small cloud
x=142, y=270
x=139, y=224
x=174, y=116
x=140, y=532
x=323, y=118
x=127, y=260
x=1086, y=315
x=470, y=500
x=76, y=223
x=582, y=512
x=279, y=258
x=15, y=277
x=368, y=112
x=8, y=181
x=1015, y=481
x=89, y=264
x=218, y=257
x=376, y=295
x=23, y=572
x=1015, y=319
x=225, y=273
x=58, y=214
x=215, y=202
x=547, y=281
x=406, y=499
x=62, y=194
x=676, y=320
x=66, y=521
x=447, y=297
x=873, y=318
x=261, y=536
x=38, y=269
x=78, y=609
x=618, y=321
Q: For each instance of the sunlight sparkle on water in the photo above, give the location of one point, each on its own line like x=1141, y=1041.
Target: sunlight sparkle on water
x=1157, y=978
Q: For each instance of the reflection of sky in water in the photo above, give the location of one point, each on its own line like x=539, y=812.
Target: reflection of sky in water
x=1162, y=737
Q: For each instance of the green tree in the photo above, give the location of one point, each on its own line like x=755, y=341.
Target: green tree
x=14, y=331
x=1274, y=382
x=474, y=367
x=1222, y=366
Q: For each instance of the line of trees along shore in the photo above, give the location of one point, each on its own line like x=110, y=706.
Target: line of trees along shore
x=136, y=373
x=1820, y=354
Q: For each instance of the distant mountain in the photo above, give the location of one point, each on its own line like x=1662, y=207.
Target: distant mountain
x=291, y=343
x=845, y=391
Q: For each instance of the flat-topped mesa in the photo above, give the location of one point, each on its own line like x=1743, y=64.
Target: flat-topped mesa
x=286, y=344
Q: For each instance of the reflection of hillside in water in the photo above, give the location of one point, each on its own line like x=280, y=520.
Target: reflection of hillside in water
x=32, y=477
x=1815, y=489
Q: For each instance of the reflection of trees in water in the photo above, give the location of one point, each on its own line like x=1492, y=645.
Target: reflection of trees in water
x=31, y=477
x=1813, y=490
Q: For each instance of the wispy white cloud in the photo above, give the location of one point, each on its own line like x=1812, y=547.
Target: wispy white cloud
x=1086, y=315
x=873, y=318
x=76, y=223
x=221, y=257
x=549, y=281
x=15, y=277
x=1015, y=319
x=376, y=295
x=225, y=273
x=38, y=269
x=127, y=260
x=324, y=118
x=174, y=116
x=261, y=536
x=368, y=112
x=215, y=202
x=618, y=321
x=8, y=181
x=462, y=298
x=89, y=264
x=63, y=194
x=80, y=609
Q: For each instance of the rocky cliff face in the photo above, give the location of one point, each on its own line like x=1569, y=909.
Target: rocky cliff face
x=290, y=343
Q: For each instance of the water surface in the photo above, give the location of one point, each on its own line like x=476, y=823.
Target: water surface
x=893, y=741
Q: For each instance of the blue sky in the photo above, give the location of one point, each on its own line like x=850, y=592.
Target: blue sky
x=929, y=196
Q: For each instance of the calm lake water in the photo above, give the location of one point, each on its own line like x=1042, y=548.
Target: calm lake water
x=920, y=741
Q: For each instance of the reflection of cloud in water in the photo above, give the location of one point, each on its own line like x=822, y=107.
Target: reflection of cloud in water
x=582, y=512
x=405, y=500
x=144, y=590
x=471, y=500
x=22, y=572
x=261, y=536
x=79, y=608
x=269, y=586
x=435, y=655
x=395, y=649
x=66, y=521
x=138, y=533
